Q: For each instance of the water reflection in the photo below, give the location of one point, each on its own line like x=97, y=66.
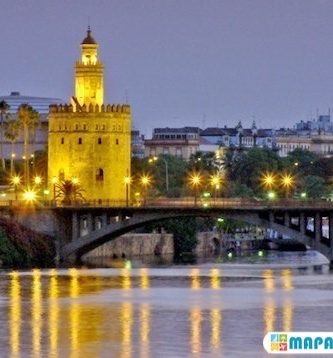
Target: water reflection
x=215, y=279
x=143, y=313
x=195, y=319
x=216, y=321
x=53, y=313
x=195, y=279
x=74, y=312
x=15, y=314
x=36, y=312
x=144, y=329
x=126, y=329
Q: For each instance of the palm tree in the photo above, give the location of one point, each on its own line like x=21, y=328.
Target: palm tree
x=12, y=132
x=69, y=191
x=4, y=108
x=28, y=119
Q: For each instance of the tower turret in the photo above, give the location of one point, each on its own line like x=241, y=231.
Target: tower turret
x=89, y=74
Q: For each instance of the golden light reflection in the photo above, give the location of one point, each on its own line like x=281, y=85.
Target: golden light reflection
x=196, y=318
x=36, y=312
x=53, y=313
x=126, y=329
x=269, y=314
x=144, y=329
x=288, y=312
x=216, y=319
x=144, y=282
x=286, y=277
x=74, y=313
x=15, y=314
x=268, y=276
x=195, y=279
x=215, y=279
x=126, y=279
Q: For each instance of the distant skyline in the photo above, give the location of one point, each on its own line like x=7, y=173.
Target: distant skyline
x=179, y=62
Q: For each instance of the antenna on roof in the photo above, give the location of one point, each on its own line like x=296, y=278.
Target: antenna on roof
x=204, y=121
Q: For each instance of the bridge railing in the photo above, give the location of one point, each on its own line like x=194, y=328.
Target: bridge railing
x=186, y=202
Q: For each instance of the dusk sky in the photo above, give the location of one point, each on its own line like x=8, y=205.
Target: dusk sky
x=181, y=62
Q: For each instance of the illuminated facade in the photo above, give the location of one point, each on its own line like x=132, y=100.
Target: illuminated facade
x=89, y=140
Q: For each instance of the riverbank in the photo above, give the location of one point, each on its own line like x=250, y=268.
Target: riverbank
x=23, y=248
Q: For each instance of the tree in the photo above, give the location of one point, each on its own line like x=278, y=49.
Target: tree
x=28, y=119
x=69, y=192
x=4, y=108
x=313, y=186
x=304, y=162
x=12, y=132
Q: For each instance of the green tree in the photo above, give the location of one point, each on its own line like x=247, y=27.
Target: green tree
x=314, y=186
x=68, y=191
x=4, y=109
x=304, y=162
x=28, y=119
x=12, y=132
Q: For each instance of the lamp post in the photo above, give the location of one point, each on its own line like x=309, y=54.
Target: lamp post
x=16, y=180
x=54, y=182
x=12, y=157
x=195, y=180
x=287, y=182
x=215, y=181
x=154, y=159
x=127, y=183
x=145, y=181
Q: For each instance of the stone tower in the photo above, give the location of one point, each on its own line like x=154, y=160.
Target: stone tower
x=89, y=140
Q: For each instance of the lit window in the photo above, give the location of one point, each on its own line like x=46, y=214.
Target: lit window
x=80, y=141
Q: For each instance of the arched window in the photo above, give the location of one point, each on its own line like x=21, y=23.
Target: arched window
x=84, y=127
x=76, y=127
x=62, y=140
x=80, y=141
x=99, y=141
x=117, y=141
x=99, y=174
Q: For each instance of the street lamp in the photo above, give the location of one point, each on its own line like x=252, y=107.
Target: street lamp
x=127, y=183
x=145, y=181
x=37, y=180
x=287, y=181
x=54, y=182
x=268, y=180
x=154, y=159
x=16, y=180
x=29, y=195
x=12, y=158
x=215, y=181
x=195, y=180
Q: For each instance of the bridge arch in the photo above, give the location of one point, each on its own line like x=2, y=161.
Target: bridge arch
x=107, y=232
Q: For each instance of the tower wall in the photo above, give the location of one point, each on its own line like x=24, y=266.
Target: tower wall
x=105, y=136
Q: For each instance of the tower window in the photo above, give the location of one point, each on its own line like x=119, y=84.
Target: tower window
x=84, y=127
x=103, y=127
x=62, y=140
x=97, y=127
x=76, y=127
x=117, y=141
x=99, y=174
x=80, y=141
x=99, y=140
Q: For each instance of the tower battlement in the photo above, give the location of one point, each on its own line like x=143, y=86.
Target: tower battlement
x=109, y=108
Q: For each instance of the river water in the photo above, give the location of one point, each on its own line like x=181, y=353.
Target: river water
x=211, y=309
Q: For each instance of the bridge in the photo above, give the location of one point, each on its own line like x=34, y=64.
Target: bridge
x=81, y=227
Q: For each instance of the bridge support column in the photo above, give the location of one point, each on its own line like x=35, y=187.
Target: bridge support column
x=287, y=219
x=317, y=228
x=302, y=223
x=330, y=233
x=75, y=226
x=89, y=223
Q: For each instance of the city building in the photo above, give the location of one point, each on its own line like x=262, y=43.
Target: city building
x=321, y=124
x=180, y=142
x=89, y=140
x=238, y=137
x=137, y=144
x=288, y=143
x=38, y=137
